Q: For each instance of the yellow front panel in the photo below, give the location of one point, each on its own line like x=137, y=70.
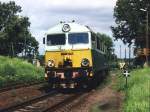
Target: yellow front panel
x=75, y=55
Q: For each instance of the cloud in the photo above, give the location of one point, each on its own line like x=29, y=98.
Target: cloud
x=43, y=14
x=46, y=13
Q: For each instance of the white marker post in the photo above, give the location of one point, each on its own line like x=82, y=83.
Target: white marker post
x=126, y=74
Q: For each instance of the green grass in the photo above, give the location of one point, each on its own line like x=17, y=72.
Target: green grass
x=95, y=108
x=137, y=93
x=14, y=71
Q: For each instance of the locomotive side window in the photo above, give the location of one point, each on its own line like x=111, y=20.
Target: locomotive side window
x=98, y=43
x=78, y=38
x=43, y=40
x=93, y=37
x=58, y=39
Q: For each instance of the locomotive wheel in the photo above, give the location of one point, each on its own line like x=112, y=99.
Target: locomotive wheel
x=50, y=85
x=102, y=75
x=97, y=79
x=83, y=85
x=94, y=82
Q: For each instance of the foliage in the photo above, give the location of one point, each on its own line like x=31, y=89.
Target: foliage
x=13, y=70
x=15, y=36
x=41, y=59
x=129, y=20
x=137, y=93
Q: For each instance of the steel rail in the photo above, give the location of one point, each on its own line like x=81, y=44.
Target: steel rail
x=63, y=103
x=17, y=86
x=29, y=102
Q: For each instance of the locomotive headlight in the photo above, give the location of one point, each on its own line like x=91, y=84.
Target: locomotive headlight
x=50, y=63
x=85, y=62
x=66, y=28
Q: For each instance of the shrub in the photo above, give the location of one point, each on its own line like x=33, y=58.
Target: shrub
x=14, y=70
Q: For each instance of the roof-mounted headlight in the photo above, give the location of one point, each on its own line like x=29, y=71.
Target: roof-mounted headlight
x=66, y=28
x=85, y=62
x=50, y=63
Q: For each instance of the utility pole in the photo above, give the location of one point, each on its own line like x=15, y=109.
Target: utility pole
x=113, y=55
x=120, y=52
x=147, y=38
x=147, y=34
x=129, y=54
x=125, y=54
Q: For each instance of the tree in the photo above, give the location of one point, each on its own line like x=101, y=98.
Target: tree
x=15, y=36
x=7, y=12
x=129, y=19
x=31, y=47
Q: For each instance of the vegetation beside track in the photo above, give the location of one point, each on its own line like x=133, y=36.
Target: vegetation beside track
x=137, y=92
x=17, y=71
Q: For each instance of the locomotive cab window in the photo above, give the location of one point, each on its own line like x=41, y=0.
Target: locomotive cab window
x=58, y=39
x=78, y=38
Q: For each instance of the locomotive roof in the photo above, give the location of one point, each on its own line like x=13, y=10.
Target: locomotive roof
x=74, y=28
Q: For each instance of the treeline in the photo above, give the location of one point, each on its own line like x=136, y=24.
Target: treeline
x=15, y=36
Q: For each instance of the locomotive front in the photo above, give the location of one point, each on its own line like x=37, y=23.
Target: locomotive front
x=68, y=58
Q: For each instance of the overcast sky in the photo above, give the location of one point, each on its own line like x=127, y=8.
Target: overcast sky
x=43, y=14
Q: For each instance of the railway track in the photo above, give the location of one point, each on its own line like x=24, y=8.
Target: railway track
x=29, y=102
x=67, y=104
x=49, y=102
x=17, y=86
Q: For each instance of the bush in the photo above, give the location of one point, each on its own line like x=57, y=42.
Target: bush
x=14, y=70
x=9, y=70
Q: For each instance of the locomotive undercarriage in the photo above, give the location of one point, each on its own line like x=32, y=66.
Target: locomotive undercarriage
x=69, y=77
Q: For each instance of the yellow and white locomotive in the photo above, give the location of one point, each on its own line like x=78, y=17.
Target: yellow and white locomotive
x=73, y=55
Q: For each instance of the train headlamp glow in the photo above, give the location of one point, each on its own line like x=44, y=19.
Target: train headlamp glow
x=85, y=62
x=50, y=63
x=66, y=28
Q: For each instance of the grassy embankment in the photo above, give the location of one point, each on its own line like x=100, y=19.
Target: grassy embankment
x=14, y=71
x=137, y=93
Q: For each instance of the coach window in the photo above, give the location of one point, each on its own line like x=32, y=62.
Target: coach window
x=58, y=39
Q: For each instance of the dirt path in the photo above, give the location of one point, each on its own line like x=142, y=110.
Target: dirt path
x=106, y=99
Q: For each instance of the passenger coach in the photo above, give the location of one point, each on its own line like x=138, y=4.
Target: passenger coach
x=74, y=56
